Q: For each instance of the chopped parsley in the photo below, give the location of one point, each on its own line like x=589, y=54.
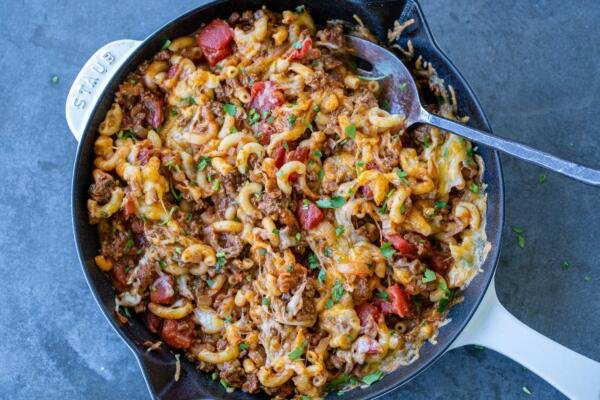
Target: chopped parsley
x=265, y=301
x=322, y=276
x=229, y=109
x=174, y=113
x=425, y=141
x=402, y=175
x=174, y=192
x=210, y=282
x=440, y=204
x=473, y=187
x=190, y=100
x=334, y=202
x=203, y=163
x=518, y=229
x=244, y=346
x=262, y=252
x=129, y=243
x=385, y=105
x=125, y=311
x=126, y=135
x=339, y=230
x=317, y=153
x=216, y=184
x=224, y=383
x=55, y=79
x=298, y=351
x=275, y=231
x=429, y=276
x=253, y=116
x=445, y=302
x=526, y=390
x=328, y=304
x=297, y=45
x=166, y=44
x=520, y=235
x=565, y=265
x=316, y=108
x=470, y=152
x=337, y=292
x=220, y=260
x=372, y=377
x=350, y=131
x=402, y=87
x=166, y=221
x=587, y=278
x=162, y=264
x=387, y=250
x=321, y=174
x=300, y=9
x=298, y=236
x=383, y=295
x=290, y=268
x=292, y=119
x=313, y=261
x=542, y=179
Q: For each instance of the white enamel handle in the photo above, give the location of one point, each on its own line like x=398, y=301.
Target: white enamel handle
x=91, y=81
x=492, y=326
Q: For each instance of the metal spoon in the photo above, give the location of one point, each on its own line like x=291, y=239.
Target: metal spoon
x=400, y=89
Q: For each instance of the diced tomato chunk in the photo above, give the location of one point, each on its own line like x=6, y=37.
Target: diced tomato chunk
x=406, y=248
x=161, y=290
x=152, y=321
x=178, y=333
x=300, y=154
x=215, y=40
x=305, y=47
x=119, y=276
x=264, y=96
x=398, y=302
x=267, y=131
x=154, y=108
x=279, y=156
x=367, y=313
x=309, y=215
x=366, y=192
x=128, y=206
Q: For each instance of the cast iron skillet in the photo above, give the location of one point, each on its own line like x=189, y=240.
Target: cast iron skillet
x=158, y=366
x=92, y=95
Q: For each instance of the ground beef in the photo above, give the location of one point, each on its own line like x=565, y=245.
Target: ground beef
x=272, y=203
x=101, y=189
x=231, y=245
x=251, y=385
x=332, y=34
x=233, y=373
x=284, y=391
x=231, y=182
x=362, y=291
x=115, y=244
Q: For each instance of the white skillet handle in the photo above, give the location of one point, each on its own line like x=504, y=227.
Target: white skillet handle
x=492, y=326
x=91, y=81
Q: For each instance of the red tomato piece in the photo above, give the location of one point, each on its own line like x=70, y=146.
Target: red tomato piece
x=305, y=47
x=154, y=108
x=367, y=313
x=152, y=321
x=161, y=290
x=398, y=302
x=300, y=154
x=309, y=215
x=367, y=192
x=264, y=96
x=128, y=206
x=119, y=276
x=279, y=156
x=215, y=40
x=178, y=333
x=406, y=248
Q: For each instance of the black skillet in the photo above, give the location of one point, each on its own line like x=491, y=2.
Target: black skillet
x=92, y=94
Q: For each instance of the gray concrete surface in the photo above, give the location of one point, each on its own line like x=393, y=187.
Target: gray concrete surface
x=533, y=64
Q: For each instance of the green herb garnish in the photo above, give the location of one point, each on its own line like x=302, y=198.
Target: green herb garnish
x=166, y=44
x=334, y=202
x=298, y=351
x=387, y=250
x=339, y=230
x=166, y=221
x=322, y=276
x=350, y=131
x=337, y=292
x=402, y=175
x=383, y=295
x=429, y=276
x=440, y=204
x=473, y=187
x=229, y=109
x=244, y=346
x=372, y=377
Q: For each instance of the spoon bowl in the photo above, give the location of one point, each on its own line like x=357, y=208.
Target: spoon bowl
x=399, y=88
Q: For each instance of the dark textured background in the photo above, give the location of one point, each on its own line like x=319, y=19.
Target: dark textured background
x=534, y=66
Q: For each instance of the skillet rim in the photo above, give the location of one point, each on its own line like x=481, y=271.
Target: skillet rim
x=380, y=388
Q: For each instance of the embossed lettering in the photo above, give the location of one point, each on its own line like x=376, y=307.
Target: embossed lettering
x=108, y=57
x=84, y=90
x=79, y=103
x=91, y=81
x=99, y=68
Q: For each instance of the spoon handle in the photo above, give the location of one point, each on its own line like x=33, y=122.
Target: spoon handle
x=516, y=149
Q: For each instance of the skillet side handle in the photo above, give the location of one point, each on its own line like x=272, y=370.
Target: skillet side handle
x=492, y=326
x=91, y=81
